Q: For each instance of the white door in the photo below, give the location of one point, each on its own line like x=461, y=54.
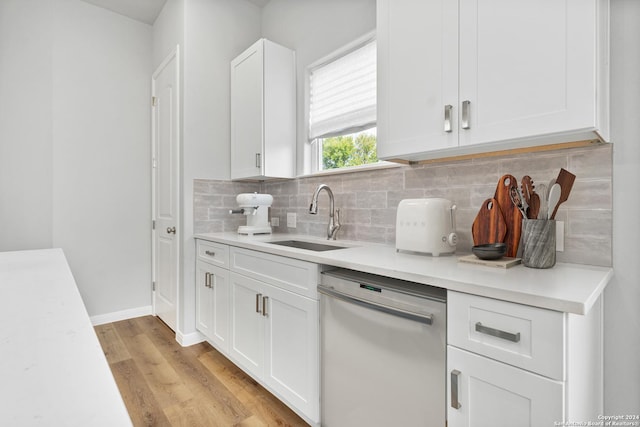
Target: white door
x=417, y=76
x=526, y=67
x=291, y=349
x=494, y=394
x=165, y=183
x=247, y=87
x=247, y=323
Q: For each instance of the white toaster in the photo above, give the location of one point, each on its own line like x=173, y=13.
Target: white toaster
x=426, y=226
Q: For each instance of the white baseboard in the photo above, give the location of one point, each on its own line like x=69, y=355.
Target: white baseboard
x=131, y=313
x=192, y=338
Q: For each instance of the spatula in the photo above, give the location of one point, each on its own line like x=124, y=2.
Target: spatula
x=565, y=179
x=554, y=198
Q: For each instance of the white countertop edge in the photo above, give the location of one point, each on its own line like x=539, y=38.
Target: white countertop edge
x=53, y=368
x=569, y=298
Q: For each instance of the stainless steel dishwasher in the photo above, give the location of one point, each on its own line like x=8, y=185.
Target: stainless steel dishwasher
x=383, y=351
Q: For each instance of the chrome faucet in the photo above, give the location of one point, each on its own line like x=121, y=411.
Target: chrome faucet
x=334, y=214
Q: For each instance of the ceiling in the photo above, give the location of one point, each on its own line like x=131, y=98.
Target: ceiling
x=143, y=10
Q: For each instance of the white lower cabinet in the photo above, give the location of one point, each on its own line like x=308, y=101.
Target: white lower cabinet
x=484, y=392
x=261, y=311
x=212, y=304
x=514, y=365
x=275, y=337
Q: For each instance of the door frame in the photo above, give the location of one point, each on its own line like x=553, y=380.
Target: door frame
x=175, y=53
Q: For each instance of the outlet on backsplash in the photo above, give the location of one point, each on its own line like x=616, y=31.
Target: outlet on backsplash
x=291, y=219
x=275, y=221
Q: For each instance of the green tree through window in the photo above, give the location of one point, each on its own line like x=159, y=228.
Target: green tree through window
x=349, y=150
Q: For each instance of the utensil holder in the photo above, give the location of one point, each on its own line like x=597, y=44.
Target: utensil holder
x=539, y=243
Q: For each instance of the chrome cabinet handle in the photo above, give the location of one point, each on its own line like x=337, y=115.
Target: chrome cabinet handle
x=207, y=280
x=455, y=402
x=264, y=306
x=258, y=303
x=497, y=333
x=466, y=107
x=258, y=162
x=210, y=253
x=447, y=118
x=171, y=230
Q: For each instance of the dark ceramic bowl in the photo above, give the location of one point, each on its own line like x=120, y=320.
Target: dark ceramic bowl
x=490, y=251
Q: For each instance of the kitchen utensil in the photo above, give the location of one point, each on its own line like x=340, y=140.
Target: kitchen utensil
x=489, y=225
x=517, y=201
x=512, y=216
x=565, y=179
x=543, y=197
x=490, y=250
x=554, y=198
x=531, y=197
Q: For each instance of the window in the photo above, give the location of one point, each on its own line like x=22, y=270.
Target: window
x=342, y=107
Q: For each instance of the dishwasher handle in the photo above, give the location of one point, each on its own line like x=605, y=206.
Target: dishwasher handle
x=422, y=318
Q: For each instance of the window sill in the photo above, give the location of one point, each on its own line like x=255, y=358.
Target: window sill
x=352, y=169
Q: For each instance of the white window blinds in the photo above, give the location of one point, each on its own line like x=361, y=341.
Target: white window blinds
x=342, y=94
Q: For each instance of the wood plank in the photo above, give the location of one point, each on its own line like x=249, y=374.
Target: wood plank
x=112, y=346
x=255, y=397
x=198, y=378
x=163, y=383
x=138, y=397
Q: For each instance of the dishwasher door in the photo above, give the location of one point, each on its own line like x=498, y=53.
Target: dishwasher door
x=383, y=364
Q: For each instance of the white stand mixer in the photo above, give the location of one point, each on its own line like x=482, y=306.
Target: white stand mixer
x=256, y=208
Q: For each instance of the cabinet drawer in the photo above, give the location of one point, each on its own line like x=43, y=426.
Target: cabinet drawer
x=213, y=253
x=527, y=337
x=291, y=274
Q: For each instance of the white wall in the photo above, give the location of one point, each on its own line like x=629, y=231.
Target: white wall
x=25, y=124
x=210, y=34
x=216, y=31
x=74, y=144
x=622, y=296
x=314, y=29
x=101, y=154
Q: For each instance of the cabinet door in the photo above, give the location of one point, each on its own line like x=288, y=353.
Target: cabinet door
x=527, y=68
x=417, y=75
x=212, y=304
x=247, y=324
x=247, y=112
x=493, y=394
x=291, y=349
x=204, y=300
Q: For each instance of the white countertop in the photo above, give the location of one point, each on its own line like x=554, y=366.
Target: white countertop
x=52, y=369
x=570, y=288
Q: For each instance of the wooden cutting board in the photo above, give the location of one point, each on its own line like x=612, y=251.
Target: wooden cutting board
x=512, y=215
x=489, y=225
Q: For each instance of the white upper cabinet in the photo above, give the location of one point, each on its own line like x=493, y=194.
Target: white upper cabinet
x=263, y=114
x=485, y=75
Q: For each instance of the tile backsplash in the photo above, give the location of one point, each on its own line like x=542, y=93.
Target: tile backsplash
x=368, y=199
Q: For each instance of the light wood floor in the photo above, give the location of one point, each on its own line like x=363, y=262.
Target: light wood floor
x=164, y=384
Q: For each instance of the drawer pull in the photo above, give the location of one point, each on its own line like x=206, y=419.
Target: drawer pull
x=497, y=333
x=455, y=403
x=258, y=303
x=466, y=107
x=447, y=118
x=210, y=253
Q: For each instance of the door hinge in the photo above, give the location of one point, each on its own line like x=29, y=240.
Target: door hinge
x=153, y=286
x=153, y=101
x=153, y=224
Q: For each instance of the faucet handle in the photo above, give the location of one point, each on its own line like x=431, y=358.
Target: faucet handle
x=336, y=224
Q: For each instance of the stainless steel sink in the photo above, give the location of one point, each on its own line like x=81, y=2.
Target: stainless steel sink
x=311, y=246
